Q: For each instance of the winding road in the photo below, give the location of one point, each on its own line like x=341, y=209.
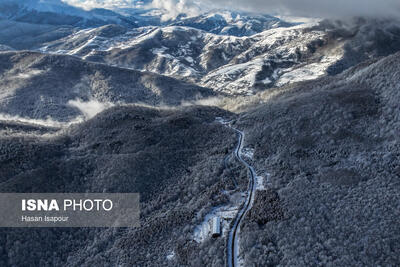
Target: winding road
x=233, y=243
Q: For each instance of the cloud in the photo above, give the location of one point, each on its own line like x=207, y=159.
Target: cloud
x=323, y=8
x=49, y=122
x=175, y=7
x=108, y=4
x=306, y=8
x=90, y=108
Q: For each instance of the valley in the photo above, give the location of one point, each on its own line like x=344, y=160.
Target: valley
x=252, y=139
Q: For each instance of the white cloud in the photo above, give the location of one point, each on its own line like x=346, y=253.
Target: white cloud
x=320, y=8
x=175, y=7
x=90, y=108
x=307, y=8
x=108, y=4
x=50, y=122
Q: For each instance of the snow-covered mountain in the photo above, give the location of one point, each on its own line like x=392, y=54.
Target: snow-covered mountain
x=53, y=6
x=235, y=53
x=230, y=64
x=37, y=86
x=56, y=12
x=227, y=22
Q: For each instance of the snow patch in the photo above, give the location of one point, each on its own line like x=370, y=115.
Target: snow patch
x=189, y=59
x=260, y=183
x=29, y=74
x=308, y=72
x=266, y=81
x=161, y=52
x=171, y=255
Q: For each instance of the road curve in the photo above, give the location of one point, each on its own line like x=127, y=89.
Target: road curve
x=233, y=246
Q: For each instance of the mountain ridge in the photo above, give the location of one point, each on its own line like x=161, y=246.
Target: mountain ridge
x=36, y=82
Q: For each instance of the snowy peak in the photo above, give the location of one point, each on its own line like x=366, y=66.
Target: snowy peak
x=53, y=6
x=226, y=22
x=56, y=12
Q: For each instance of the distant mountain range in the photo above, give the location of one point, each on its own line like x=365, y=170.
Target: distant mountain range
x=216, y=53
x=56, y=12
x=232, y=23
x=230, y=64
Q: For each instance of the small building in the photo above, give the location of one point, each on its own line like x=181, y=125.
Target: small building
x=216, y=227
